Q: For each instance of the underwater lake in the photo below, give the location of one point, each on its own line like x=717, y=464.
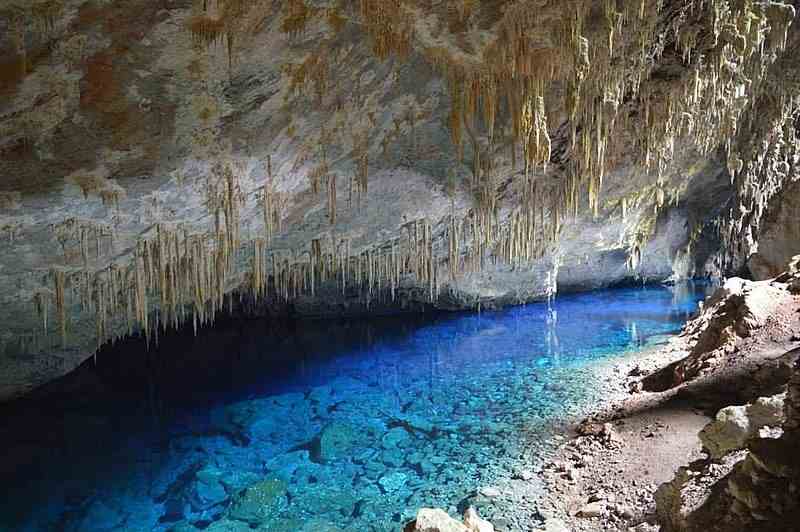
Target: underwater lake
x=319, y=425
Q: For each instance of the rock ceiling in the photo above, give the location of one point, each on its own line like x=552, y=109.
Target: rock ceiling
x=159, y=156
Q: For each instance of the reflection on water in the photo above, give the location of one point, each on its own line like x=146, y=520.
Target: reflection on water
x=349, y=425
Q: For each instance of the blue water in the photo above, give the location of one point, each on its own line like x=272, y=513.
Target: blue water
x=323, y=425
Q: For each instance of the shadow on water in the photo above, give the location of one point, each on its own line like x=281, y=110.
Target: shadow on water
x=114, y=427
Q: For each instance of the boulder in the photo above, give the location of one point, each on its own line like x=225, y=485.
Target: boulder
x=734, y=311
x=259, y=502
x=681, y=502
x=436, y=520
x=474, y=523
x=734, y=425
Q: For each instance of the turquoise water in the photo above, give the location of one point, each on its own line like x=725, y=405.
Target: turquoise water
x=336, y=425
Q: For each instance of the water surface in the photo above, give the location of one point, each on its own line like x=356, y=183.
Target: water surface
x=329, y=425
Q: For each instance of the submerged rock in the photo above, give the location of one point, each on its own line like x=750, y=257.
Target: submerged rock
x=317, y=525
x=208, y=489
x=290, y=524
x=334, y=442
x=489, y=491
x=226, y=525
x=393, y=482
x=285, y=465
x=327, y=501
x=397, y=437
x=259, y=502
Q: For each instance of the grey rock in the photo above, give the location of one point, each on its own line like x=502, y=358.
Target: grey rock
x=436, y=520
x=734, y=425
x=490, y=492
x=474, y=523
x=226, y=525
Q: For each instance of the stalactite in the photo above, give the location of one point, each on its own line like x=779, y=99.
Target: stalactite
x=332, y=199
x=296, y=17
x=271, y=206
x=41, y=302
x=60, y=283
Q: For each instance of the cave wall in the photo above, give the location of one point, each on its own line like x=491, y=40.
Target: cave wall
x=141, y=146
x=779, y=235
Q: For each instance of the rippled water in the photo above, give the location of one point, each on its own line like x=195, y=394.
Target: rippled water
x=336, y=425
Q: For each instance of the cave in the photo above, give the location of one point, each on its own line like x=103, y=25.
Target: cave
x=400, y=265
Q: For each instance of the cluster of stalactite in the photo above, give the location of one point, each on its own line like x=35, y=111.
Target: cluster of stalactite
x=769, y=160
x=608, y=71
x=82, y=233
x=10, y=228
x=226, y=22
x=176, y=275
x=359, y=183
x=172, y=273
x=311, y=76
x=21, y=15
x=390, y=26
x=603, y=56
x=271, y=205
x=609, y=88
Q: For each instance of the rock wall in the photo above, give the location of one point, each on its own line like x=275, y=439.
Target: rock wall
x=779, y=237
x=751, y=478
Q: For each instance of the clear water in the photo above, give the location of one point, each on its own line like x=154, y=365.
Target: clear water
x=331, y=426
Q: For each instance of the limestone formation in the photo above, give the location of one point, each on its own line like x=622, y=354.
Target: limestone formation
x=735, y=425
x=752, y=489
